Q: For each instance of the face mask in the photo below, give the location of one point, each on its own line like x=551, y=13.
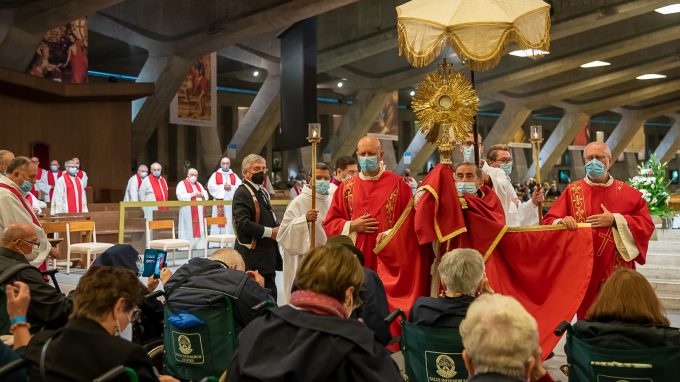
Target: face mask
x=144, y=174
x=31, y=255
x=257, y=178
x=54, y=168
x=72, y=171
x=225, y=167
x=322, y=186
x=156, y=173
x=507, y=168
x=26, y=187
x=469, y=154
x=595, y=169
x=369, y=164
x=466, y=187
x=192, y=179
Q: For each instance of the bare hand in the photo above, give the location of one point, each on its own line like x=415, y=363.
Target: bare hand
x=382, y=236
x=18, y=299
x=537, y=197
x=275, y=232
x=54, y=253
x=603, y=220
x=364, y=223
x=227, y=186
x=166, y=273
x=569, y=222
x=255, y=276
x=538, y=371
x=152, y=283
x=196, y=194
x=312, y=215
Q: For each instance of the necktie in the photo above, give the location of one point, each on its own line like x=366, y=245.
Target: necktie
x=264, y=197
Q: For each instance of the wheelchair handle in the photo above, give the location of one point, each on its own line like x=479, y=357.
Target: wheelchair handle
x=111, y=374
x=393, y=316
x=13, y=366
x=154, y=295
x=564, y=326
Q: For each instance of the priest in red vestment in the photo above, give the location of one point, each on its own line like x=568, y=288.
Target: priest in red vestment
x=154, y=188
x=369, y=203
x=621, y=224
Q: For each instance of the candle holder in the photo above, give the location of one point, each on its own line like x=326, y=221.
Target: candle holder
x=314, y=137
x=536, y=136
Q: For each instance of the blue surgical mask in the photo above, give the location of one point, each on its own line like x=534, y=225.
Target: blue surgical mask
x=466, y=187
x=507, y=168
x=469, y=154
x=54, y=168
x=225, y=168
x=156, y=173
x=595, y=169
x=369, y=164
x=26, y=187
x=72, y=171
x=322, y=186
x=144, y=174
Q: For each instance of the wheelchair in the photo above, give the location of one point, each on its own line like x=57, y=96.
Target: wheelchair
x=111, y=375
x=592, y=363
x=430, y=354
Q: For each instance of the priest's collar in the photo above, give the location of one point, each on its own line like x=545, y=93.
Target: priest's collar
x=608, y=183
x=362, y=176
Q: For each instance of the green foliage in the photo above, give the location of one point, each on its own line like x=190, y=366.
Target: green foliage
x=652, y=183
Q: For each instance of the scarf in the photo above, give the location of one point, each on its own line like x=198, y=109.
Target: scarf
x=195, y=221
x=318, y=303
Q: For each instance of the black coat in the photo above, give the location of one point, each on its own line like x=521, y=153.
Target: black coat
x=265, y=257
x=374, y=308
x=621, y=335
x=443, y=312
x=84, y=350
x=290, y=345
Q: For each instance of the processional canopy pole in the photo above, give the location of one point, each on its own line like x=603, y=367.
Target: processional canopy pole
x=313, y=137
x=536, y=135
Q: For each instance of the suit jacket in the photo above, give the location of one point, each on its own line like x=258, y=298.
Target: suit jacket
x=265, y=257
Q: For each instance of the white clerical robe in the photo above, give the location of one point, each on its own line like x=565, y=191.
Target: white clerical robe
x=41, y=184
x=186, y=228
x=294, y=234
x=516, y=213
x=218, y=192
x=83, y=178
x=132, y=189
x=146, y=194
x=60, y=197
x=13, y=211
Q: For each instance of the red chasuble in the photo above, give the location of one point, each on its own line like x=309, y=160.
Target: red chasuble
x=384, y=199
x=195, y=221
x=74, y=196
x=581, y=200
x=160, y=190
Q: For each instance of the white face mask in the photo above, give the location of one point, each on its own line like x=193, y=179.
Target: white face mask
x=192, y=179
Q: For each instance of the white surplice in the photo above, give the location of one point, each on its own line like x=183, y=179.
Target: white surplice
x=13, y=211
x=186, y=228
x=146, y=194
x=42, y=185
x=294, y=234
x=60, y=200
x=132, y=189
x=218, y=192
x=516, y=213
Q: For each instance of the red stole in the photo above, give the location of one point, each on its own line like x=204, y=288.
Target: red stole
x=195, y=219
x=52, y=181
x=74, y=198
x=79, y=174
x=384, y=199
x=580, y=200
x=160, y=190
x=34, y=190
x=298, y=190
x=219, y=179
x=23, y=201
x=139, y=181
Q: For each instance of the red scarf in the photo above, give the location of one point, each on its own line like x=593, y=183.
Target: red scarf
x=160, y=190
x=139, y=181
x=73, y=198
x=318, y=303
x=298, y=190
x=195, y=222
x=219, y=179
x=28, y=208
x=52, y=181
x=79, y=174
x=34, y=190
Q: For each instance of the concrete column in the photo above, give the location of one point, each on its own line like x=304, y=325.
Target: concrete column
x=670, y=143
x=181, y=151
x=519, y=163
x=511, y=119
x=559, y=140
x=163, y=156
x=389, y=157
x=624, y=131
x=421, y=157
x=578, y=171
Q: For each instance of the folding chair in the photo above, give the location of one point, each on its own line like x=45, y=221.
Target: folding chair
x=165, y=244
x=223, y=240
x=88, y=248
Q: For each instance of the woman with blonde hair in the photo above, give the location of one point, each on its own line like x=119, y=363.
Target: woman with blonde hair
x=313, y=339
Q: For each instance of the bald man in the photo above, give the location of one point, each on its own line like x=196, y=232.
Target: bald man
x=369, y=203
x=135, y=181
x=222, y=185
x=618, y=214
x=48, y=307
x=6, y=156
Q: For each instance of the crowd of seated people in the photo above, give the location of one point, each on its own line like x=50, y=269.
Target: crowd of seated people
x=324, y=334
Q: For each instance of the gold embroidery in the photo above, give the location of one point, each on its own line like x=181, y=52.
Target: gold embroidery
x=619, y=185
x=577, y=202
x=606, y=239
x=389, y=206
x=348, y=194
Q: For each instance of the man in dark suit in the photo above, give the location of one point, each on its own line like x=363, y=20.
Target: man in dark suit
x=255, y=225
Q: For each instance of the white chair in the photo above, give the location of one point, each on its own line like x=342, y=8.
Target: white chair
x=165, y=244
x=222, y=239
x=89, y=248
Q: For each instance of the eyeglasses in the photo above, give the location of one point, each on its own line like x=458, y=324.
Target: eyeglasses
x=135, y=314
x=37, y=244
x=601, y=158
x=504, y=161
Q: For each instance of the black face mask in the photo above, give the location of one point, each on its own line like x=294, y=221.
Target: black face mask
x=258, y=178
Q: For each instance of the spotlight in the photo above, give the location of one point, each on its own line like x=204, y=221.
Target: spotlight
x=256, y=73
x=339, y=84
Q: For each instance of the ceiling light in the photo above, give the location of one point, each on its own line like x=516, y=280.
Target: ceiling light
x=595, y=64
x=339, y=84
x=412, y=93
x=528, y=53
x=651, y=76
x=667, y=10
x=256, y=73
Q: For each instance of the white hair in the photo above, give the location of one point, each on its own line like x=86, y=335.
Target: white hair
x=250, y=160
x=190, y=170
x=141, y=166
x=499, y=335
x=230, y=257
x=461, y=270
x=69, y=163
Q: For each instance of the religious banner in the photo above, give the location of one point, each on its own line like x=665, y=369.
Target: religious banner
x=386, y=124
x=195, y=103
x=62, y=54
